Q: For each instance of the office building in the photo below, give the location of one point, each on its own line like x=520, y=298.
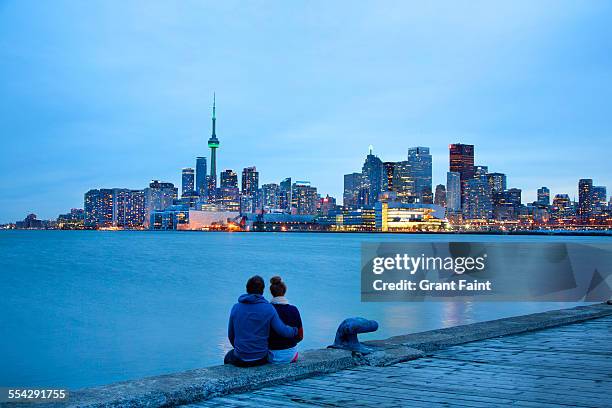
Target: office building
x=543, y=196
x=304, y=198
x=352, y=186
x=158, y=196
x=585, y=200
x=453, y=191
x=201, y=177
x=440, y=195
x=372, y=178
x=420, y=171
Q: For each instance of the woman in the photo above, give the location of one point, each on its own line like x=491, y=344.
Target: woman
x=282, y=349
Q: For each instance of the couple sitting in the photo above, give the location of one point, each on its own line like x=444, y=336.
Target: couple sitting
x=263, y=332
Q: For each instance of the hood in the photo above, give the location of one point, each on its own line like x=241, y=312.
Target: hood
x=249, y=298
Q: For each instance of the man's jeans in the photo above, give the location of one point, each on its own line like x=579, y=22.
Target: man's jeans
x=232, y=358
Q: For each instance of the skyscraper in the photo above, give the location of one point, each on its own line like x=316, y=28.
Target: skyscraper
x=352, y=185
x=158, y=196
x=285, y=195
x=270, y=195
x=599, y=199
x=543, y=196
x=213, y=143
x=201, y=177
x=453, y=191
x=372, y=181
x=188, y=182
x=497, y=182
x=420, y=170
x=440, y=195
x=585, y=199
x=304, y=198
x=389, y=169
x=250, y=187
x=477, y=203
x=403, y=182
x=462, y=162
x=229, y=195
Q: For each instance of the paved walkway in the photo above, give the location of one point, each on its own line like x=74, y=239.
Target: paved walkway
x=563, y=366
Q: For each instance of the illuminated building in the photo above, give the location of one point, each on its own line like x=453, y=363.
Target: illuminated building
x=98, y=207
x=372, y=177
x=158, y=196
x=562, y=210
x=543, y=196
x=73, y=220
x=213, y=143
x=117, y=207
x=270, y=196
x=477, y=205
x=389, y=170
x=187, y=182
x=420, y=171
x=453, y=191
x=403, y=182
x=326, y=204
x=201, y=177
x=392, y=216
x=304, y=198
x=599, y=199
x=250, y=187
x=352, y=185
x=284, y=202
x=497, y=182
x=440, y=195
x=585, y=200
x=361, y=219
x=229, y=194
x=506, y=204
x=462, y=161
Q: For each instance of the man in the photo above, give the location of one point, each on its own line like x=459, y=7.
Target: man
x=249, y=326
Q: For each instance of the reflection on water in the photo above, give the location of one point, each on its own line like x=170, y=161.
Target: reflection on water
x=81, y=308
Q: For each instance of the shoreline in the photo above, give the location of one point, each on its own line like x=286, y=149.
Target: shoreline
x=206, y=383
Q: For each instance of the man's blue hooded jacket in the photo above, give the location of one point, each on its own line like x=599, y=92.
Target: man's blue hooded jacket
x=249, y=327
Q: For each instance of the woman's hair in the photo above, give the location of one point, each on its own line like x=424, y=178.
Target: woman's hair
x=255, y=285
x=277, y=286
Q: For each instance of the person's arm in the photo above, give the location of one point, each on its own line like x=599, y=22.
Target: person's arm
x=280, y=327
x=300, y=335
x=230, y=328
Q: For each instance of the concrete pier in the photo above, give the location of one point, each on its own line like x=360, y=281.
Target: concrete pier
x=555, y=358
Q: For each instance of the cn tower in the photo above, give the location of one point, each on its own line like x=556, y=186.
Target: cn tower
x=213, y=143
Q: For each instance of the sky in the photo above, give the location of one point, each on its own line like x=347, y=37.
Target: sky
x=104, y=94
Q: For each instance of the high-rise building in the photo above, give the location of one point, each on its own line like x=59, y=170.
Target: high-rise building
x=497, y=182
x=352, y=185
x=462, y=162
x=453, y=191
x=285, y=195
x=270, y=195
x=326, y=205
x=158, y=196
x=543, y=196
x=403, y=182
x=98, y=207
x=250, y=187
x=420, y=170
x=372, y=177
x=114, y=207
x=481, y=171
x=229, y=194
x=506, y=204
x=304, y=198
x=600, y=196
x=585, y=199
x=188, y=182
x=477, y=203
x=201, y=177
x=213, y=143
x=389, y=170
x=440, y=195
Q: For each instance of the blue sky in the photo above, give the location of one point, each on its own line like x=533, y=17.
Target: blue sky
x=114, y=94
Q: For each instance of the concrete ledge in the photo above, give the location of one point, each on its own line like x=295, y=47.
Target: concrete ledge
x=200, y=384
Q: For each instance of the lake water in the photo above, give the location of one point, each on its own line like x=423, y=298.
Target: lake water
x=83, y=308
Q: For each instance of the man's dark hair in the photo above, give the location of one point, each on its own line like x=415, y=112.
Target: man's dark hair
x=255, y=285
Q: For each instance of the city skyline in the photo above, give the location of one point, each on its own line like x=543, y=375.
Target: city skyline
x=116, y=105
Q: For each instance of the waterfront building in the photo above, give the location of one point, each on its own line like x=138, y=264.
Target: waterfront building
x=420, y=171
x=453, y=191
x=600, y=196
x=281, y=222
x=543, y=196
x=562, y=210
x=72, y=220
x=393, y=216
x=497, y=182
x=372, y=178
x=389, y=169
x=181, y=217
x=506, y=204
x=304, y=198
x=228, y=196
x=128, y=208
x=477, y=204
x=213, y=144
x=326, y=205
x=585, y=199
x=360, y=219
x=352, y=186
x=285, y=195
x=31, y=221
x=158, y=196
x=403, y=183
x=440, y=195
x=462, y=161
x=98, y=207
x=201, y=177
x=271, y=196
x=250, y=187
x=187, y=182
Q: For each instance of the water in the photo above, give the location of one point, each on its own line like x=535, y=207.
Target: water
x=83, y=308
